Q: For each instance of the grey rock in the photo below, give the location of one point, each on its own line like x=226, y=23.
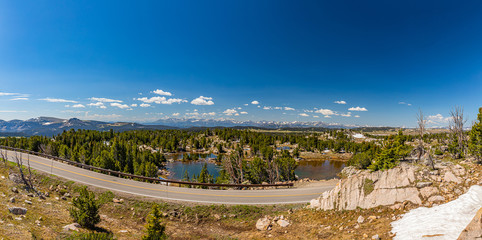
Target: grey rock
x=12, y=200
x=72, y=227
x=436, y=198
x=14, y=177
x=283, y=223
x=28, y=202
x=450, y=177
x=423, y=184
x=263, y=224
x=18, y=210
x=15, y=190
x=428, y=191
x=360, y=219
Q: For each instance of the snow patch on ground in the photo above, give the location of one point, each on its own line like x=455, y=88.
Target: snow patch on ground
x=449, y=219
x=358, y=135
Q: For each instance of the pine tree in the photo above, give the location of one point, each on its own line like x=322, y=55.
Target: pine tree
x=85, y=210
x=475, y=142
x=154, y=228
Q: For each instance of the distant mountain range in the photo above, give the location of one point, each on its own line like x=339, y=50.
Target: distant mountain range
x=49, y=126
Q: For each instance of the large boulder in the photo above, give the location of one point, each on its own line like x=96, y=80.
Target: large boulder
x=371, y=189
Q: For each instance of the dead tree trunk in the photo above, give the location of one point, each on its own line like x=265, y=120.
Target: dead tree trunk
x=456, y=125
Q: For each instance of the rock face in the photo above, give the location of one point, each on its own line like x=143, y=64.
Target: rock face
x=18, y=210
x=72, y=227
x=474, y=229
x=370, y=189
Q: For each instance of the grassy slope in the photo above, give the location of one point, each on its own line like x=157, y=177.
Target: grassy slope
x=183, y=221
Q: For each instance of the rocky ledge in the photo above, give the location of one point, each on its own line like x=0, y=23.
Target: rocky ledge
x=405, y=183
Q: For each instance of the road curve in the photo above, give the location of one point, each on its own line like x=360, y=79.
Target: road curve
x=87, y=177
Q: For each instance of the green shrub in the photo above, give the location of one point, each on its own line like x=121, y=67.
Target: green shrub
x=85, y=209
x=361, y=160
x=154, y=228
x=368, y=186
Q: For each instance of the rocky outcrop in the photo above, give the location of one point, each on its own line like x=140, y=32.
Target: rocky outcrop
x=18, y=210
x=404, y=183
x=370, y=189
x=474, y=229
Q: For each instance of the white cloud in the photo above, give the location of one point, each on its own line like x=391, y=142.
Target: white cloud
x=244, y=112
x=437, y=119
x=173, y=100
x=255, y=102
x=210, y=113
x=97, y=104
x=105, y=100
x=278, y=108
x=161, y=100
x=304, y=115
x=246, y=104
x=78, y=106
x=357, y=116
x=58, y=100
x=19, y=98
x=316, y=116
x=160, y=92
x=327, y=116
x=239, y=108
x=121, y=106
x=7, y=94
x=359, y=109
x=134, y=105
x=175, y=114
x=326, y=112
x=404, y=103
x=340, y=102
x=144, y=105
x=266, y=108
x=11, y=111
x=348, y=114
x=201, y=100
x=230, y=112
x=289, y=109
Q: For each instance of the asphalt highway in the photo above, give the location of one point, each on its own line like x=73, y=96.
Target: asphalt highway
x=162, y=191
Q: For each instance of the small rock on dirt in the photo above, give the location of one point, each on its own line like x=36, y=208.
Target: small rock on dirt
x=18, y=210
x=263, y=224
x=360, y=219
x=283, y=223
x=72, y=227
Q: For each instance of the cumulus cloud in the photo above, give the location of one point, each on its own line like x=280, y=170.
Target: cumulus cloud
x=57, y=100
x=340, y=102
x=246, y=104
x=97, y=104
x=357, y=116
x=209, y=114
x=144, y=105
x=348, y=114
x=437, y=119
x=289, y=109
x=230, y=112
x=358, y=109
x=134, y=105
x=316, y=116
x=244, y=112
x=304, y=115
x=255, y=102
x=326, y=112
x=404, y=103
x=105, y=100
x=175, y=114
x=78, y=106
x=163, y=93
x=121, y=106
x=161, y=100
x=201, y=100
x=278, y=108
x=266, y=108
x=11, y=111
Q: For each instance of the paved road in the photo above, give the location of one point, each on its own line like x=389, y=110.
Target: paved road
x=87, y=177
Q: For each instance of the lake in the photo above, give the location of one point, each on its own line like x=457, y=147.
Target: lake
x=316, y=170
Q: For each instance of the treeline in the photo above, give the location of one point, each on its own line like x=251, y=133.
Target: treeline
x=141, y=152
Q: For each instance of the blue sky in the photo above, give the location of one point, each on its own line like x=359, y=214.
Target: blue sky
x=211, y=59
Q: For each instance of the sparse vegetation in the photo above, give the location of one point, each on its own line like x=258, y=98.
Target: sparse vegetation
x=85, y=209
